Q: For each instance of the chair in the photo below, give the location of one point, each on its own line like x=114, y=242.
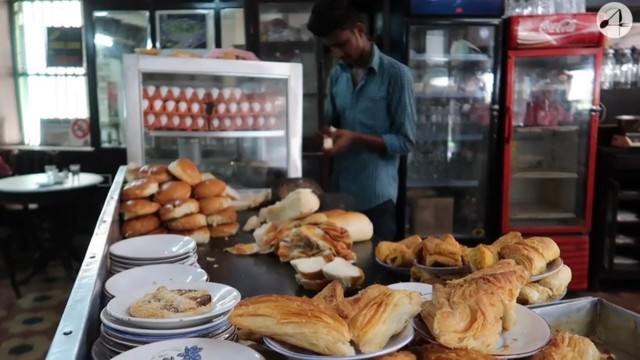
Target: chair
x=6, y=239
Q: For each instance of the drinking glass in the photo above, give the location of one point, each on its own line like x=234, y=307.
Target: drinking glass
x=75, y=169
x=52, y=173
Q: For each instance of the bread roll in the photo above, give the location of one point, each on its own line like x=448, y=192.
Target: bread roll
x=200, y=235
x=225, y=216
x=357, y=224
x=189, y=222
x=207, y=176
x=298, y=204
x=224, y=231
x=135, y=208
x=209, y=188
x=212, y=205
x=139, y=226
x=172, y=191
x=158, y=231
x=186, y=170
x=159, y=173
x=132, y=172
x=178, y=209
x=139, y=189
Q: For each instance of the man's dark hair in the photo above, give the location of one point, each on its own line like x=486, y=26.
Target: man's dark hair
x=329, y=16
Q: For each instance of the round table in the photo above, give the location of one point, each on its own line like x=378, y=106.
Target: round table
x=35, y=189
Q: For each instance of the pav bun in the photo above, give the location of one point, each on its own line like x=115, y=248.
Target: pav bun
x=209, y=188
x=135, y=208
x=159, y=173
x=222, y=217
x=172, y=191
x=189, y=222
x=139, y=189
x=224, y=231
x=200, y=235
x=139, y=226
x=186, y=170
x=178, y=209
x=214, y=204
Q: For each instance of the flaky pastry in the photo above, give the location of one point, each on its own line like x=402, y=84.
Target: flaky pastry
x=439, y=352
x=177, y=303
x=567, y=346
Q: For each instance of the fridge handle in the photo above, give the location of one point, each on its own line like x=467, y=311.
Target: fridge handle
x=509, y=126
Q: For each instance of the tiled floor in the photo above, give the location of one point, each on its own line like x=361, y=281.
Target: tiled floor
x=28, y=325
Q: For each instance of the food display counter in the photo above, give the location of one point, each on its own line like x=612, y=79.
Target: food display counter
x=613, y=329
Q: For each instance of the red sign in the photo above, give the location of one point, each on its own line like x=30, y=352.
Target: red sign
x=80, y=128
x=555, y=31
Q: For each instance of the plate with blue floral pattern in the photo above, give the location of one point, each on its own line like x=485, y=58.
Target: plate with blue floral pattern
x=191, y=349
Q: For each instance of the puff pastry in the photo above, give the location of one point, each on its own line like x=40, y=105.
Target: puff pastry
x=567, y=346
x=439, y=352
x=294, y=320
x=331, y=294
x=374, y=323
x=177, y=303
x=398, y=254
x=445, y=251
x=400, y=355
x=472, y=312
x=534, y=293
x=482, y=257
x=533, y=253
x=558, y=282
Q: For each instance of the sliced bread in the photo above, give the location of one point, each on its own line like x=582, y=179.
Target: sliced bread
x=340, y=269
x=310, y=268
x=313, y=285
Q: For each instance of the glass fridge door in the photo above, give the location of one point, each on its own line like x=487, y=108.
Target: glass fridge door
x=548, y=141
x=284, y=37
x=453, y=72
x=116, y=33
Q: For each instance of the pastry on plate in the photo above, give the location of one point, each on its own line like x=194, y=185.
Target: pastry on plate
x=176, y=303
x=295, y=320
x=547, y=289
x=440, y=252
x=533, y=254
x=439, y=352
x=567, y=346
x=472, y=312
x=400, y=355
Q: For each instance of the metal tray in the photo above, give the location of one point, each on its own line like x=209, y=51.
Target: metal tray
x=614, y=330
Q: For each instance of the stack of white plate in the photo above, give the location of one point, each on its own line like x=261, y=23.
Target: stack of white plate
x=121, y=332
x=152, y=250
x=192, y=349
x=133, y=279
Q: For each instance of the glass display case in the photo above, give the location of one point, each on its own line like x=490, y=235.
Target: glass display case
x=550, y=120
x=116, y=32
x=453, y=66
x=240, y=120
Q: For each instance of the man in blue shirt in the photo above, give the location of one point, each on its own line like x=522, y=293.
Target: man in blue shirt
x=371, y=104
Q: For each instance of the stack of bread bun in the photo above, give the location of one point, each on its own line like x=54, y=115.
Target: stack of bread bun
x=176, y=199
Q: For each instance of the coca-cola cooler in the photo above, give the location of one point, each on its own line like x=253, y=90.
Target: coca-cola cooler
x=551, y=115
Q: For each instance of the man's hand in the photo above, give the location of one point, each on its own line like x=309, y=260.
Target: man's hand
x=342, y=141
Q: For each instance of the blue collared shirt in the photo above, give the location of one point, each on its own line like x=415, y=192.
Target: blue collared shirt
x=381, y=104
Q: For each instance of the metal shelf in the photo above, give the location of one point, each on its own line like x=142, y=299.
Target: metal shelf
x=218, y=134
x=442, y=183
x=448, y=94
x=537, y=129
x=538, y=212
x=544, y=175
x=443, y=58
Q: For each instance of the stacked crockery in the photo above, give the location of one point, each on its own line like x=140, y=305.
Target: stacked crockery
x=152, y=250
x=130, y=280
x=166, y=311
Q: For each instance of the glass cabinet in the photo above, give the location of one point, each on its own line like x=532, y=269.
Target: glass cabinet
x=240, y=120
x=550, y=120
x=453, y=67
x=116, y=33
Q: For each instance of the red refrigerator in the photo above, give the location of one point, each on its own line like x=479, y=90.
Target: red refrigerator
x=551, y=114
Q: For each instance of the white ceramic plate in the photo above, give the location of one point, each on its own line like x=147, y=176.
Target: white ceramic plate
x=552, y=268
x=395, y=343
x=133, y=279
x=122, y=261
x=441, y=270
x=224, y=298
x=114, y=323
x=530, y=334
x=98, y=351
x=399, y=270
x=424, y=289
x=191, y=349
x=152, y=247
x=190, y=260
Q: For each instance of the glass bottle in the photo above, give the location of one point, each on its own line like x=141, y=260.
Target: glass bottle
x=624, y=70
x=608, y=70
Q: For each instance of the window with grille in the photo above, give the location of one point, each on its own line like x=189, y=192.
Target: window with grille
x=52, y=95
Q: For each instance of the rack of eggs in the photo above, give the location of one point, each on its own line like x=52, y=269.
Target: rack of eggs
x=199, y=109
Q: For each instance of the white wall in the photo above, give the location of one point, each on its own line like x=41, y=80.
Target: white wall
x=9, y=124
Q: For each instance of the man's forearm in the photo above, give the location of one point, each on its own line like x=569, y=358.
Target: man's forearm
x=373, y=142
